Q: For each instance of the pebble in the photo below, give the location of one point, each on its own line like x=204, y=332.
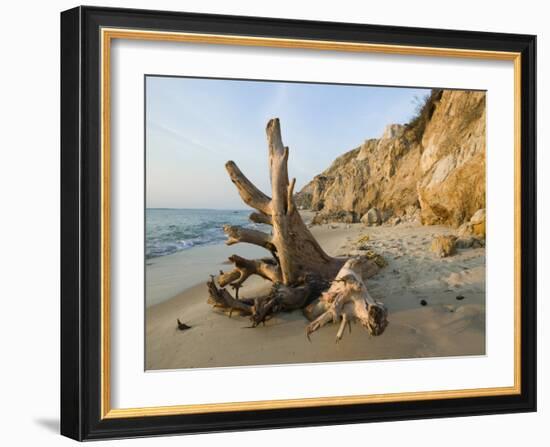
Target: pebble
x=423, y=302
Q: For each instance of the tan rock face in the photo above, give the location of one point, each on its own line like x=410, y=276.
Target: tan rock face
x=380, y=174
x=452, y=187
x=434, y=167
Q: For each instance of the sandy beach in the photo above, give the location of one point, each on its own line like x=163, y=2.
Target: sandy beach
x=419, y=289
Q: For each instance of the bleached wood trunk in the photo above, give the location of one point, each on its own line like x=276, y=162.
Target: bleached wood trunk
x=292, y=245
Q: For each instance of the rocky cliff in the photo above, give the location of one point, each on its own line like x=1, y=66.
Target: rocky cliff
x=431, y=169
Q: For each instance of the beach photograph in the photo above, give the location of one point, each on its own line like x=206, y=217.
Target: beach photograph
x=293, y=222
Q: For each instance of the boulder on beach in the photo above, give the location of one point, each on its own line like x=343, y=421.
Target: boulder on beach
x=478, y=223
x=469, y=242
x=347, y=217
x=475, y=227
x=371, y=217
x=396, y=220
x=444, y=246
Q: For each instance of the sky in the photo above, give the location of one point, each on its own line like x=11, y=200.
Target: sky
x=195, y=125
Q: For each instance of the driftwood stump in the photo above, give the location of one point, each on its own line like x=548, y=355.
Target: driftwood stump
x=299, y=268
x=345, y=301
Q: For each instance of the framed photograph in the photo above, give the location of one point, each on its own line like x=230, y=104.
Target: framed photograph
x=278, y=223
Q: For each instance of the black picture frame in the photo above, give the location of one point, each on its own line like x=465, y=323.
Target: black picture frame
x=81, y=223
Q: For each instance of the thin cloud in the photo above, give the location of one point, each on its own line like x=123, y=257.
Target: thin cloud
x=179, y=137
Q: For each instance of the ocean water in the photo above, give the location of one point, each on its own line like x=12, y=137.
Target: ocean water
x=169, y=230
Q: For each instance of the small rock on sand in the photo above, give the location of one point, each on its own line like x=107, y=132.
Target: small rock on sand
x=444, y=246
x=363, y=239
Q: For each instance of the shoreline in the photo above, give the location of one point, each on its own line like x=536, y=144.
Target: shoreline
x=169, y=275
x=444, y=327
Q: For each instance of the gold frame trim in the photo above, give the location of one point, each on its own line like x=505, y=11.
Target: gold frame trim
x=107, y=35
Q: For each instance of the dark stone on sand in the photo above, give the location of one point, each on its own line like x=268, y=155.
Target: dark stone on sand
x=182, y=326
x=423, y=302
x=460, y=297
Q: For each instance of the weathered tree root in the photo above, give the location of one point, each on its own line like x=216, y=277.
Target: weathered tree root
x=299, y=268
x=294, y=250
x=222, y=299
x=267, y=268
x=347, y=300
x=281, y=298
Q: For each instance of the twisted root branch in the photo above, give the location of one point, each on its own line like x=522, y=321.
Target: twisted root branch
x=345, y=301
x=281, y=298
x=267, y=268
